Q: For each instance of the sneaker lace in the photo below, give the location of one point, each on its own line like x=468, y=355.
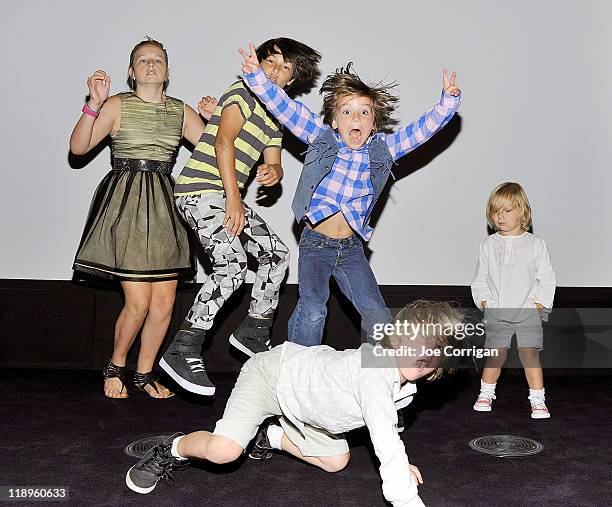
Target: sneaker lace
x=537, y=402
x=196, y=364
x=161, y=463
x=485, y=396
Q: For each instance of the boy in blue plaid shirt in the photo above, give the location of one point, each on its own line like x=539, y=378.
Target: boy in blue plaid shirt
x=347, y=165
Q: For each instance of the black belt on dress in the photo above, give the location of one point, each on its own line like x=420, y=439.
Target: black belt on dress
x=133, y=164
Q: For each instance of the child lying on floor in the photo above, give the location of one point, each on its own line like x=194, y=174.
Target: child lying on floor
x=318, y=394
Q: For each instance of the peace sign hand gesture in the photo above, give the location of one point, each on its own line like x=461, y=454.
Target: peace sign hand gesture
x=449, y=86
x=251, y=63
x=99, y=86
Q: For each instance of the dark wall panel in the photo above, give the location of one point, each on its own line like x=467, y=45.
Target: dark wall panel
x=63, y=324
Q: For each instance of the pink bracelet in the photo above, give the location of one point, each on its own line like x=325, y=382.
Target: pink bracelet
x=88, y=110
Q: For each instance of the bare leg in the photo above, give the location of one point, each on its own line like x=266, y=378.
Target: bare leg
x=219, y=449
x=137, y=300
x=530, y=357
x=205, y=445
x=327, y=463
x=492, y=369
x=154, y=330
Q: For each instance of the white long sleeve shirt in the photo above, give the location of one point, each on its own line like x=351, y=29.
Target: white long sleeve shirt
x=514, y=272
x=330, y=389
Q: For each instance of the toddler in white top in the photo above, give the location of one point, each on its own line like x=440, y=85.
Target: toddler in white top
x=515, y=285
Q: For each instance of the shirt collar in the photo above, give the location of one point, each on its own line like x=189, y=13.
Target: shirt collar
x=401, y=392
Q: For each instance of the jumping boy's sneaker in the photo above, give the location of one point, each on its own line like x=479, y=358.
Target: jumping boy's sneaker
x=538, y=407
x=156, y=464
x=184, y=363
x=484, y=402
x=252, y=336
x=262, y=448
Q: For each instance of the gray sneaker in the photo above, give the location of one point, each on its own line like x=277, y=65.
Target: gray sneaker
x=155, y=465
x=252, y=336
x=184, y=363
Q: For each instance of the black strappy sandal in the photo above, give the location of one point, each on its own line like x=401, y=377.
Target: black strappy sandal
x=142, y=380
x=111, y=370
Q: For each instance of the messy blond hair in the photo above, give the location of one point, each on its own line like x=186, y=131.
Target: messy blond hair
x=436, y=319
x=345, y=81
x=509, y=194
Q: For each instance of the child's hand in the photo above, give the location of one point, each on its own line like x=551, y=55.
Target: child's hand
x=251, y=63
x=206, y=106
x=234, y=216
x=483, y=304
x=269, y=175
x=539, y=307
x=416, y=474
x=99, y=86
x=449, y=86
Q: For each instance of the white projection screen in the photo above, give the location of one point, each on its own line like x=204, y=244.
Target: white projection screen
x=536, y=83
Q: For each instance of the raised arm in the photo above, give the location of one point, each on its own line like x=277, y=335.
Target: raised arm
x=416, y=133
x=294, y=115
x=90, y=130
x=193, y=126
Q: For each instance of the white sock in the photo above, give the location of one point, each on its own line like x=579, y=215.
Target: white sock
x=174, y=449
x=275, y=434
x=536, y=394
x=487, y=388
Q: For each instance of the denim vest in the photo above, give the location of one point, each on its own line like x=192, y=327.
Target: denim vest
x=320, y=158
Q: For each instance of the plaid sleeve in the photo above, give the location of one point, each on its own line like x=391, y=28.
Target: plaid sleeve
x=294, y=115
x=416, y=133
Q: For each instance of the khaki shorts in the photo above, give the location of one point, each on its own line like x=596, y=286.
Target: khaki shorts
x=528, y=332
x=254, y=399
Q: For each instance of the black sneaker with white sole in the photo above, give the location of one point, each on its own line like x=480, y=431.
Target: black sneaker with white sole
x=262, y=448
x=252, y=336
x=155, y=465
x=183, y=362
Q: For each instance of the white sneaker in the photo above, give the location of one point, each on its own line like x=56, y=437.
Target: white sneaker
x=538, y=407
x=484, y=402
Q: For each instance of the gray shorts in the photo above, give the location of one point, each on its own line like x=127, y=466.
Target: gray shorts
x=254, y=399
x=499, y=333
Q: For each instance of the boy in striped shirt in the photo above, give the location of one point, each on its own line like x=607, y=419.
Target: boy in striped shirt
x=347, y=165
x=208, y=196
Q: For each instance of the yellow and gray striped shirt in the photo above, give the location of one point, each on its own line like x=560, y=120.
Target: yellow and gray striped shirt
x=260, y=131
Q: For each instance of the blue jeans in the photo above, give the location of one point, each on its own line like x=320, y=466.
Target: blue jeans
x=320, y=258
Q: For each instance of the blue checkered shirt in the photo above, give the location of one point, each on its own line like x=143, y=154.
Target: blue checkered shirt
x=347, y=186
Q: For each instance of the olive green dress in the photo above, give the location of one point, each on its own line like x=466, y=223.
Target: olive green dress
x=133, y=231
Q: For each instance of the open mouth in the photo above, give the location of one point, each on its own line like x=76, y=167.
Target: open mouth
x=355, y=135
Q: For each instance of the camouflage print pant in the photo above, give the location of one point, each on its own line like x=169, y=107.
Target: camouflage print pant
x=205, y=213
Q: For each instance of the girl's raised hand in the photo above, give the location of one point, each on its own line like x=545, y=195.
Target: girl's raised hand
x=99, y=86
x=251, y=63
x=449, y=85
x=206, y=106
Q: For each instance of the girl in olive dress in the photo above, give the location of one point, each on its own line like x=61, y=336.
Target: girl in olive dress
x=133, y=233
